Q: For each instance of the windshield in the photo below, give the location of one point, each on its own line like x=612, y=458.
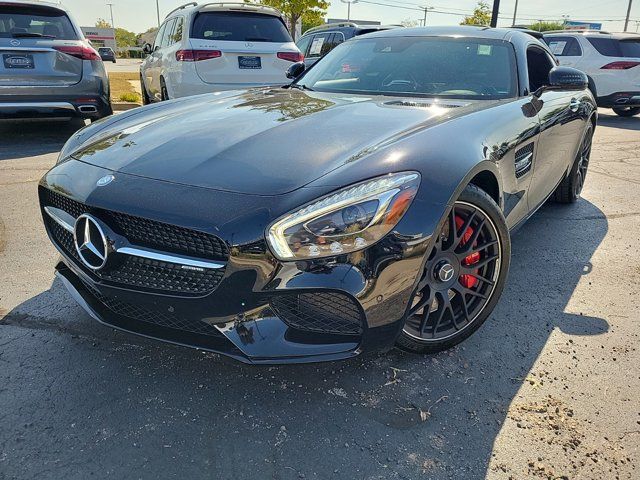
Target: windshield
x=241, y=27
x=25, y=22
x=417, y=66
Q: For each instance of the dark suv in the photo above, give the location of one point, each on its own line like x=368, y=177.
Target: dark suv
x=318, y=41
x=107, y=54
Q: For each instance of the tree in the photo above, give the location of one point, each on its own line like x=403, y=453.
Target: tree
x=481, y=15
x=312, y=18
x=546, y=26
x=102, y=23
x=125, y=38
x=297, y=10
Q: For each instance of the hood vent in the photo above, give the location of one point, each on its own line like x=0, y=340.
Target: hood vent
x=407, y=103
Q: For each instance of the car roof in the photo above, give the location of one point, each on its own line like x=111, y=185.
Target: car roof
x=225, y=7
x=35, y=3
x=340, y=26
x=595, y=33
x=506, y=34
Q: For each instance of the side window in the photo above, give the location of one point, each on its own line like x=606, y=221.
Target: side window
x=330, y=44
x=159, y=35
x=303, y=44
x=317, y=45
x=539, y=65
x=177, y=31
x=564, y=46
x=164, y=41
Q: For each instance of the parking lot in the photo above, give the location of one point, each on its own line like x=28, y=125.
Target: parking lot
x=548, y=388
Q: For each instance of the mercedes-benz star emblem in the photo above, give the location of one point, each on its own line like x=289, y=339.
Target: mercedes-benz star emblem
x=106, y=180
x=90, y=241
x=446, y=272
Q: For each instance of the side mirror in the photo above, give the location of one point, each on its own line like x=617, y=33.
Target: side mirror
x=295, y=70
x=564, y=78
x=147, y=49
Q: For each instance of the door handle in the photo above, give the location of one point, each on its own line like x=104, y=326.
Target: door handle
x=574, y=105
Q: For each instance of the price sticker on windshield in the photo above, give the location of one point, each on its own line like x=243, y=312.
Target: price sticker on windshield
x=484, y=49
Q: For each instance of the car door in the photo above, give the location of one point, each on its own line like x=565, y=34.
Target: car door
x=170, y=69
x=154, y=61
x=562, y=121
x=318, y=47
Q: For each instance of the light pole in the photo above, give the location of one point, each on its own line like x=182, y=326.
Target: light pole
x=494, y=13
x=158, y=12
x=424, y=20
x=515, y=14
x=113, y=27
x=349, y=2
x=626, y=20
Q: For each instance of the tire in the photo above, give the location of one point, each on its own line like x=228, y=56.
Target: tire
x=145, y=96
x=571, y=186
x=445, y=311
x=627, y=111
x=164, y=94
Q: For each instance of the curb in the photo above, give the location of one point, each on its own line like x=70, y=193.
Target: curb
x=123, y=106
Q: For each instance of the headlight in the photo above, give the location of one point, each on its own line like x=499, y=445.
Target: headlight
x=345, y=221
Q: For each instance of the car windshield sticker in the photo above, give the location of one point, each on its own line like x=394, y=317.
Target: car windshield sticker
x=484, y=49
x=316, y=46
x=557, y=47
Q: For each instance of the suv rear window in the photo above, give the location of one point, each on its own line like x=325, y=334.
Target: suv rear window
x=611, y=47
x=26, y=22
x=239, y=27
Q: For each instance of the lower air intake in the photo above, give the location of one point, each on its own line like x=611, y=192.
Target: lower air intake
x=322, y=312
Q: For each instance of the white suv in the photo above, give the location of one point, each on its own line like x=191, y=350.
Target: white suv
x=213, y=47
x=610, y=60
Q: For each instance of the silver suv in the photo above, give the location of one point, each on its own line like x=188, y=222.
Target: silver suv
x=47, y=67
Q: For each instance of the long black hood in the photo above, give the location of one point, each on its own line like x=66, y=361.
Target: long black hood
x=263, y=142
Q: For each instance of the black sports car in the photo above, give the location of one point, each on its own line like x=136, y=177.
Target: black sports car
x=366, y=205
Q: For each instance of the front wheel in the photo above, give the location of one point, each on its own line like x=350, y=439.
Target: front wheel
x=571, y=186
x=462, y=278
x=626, y=111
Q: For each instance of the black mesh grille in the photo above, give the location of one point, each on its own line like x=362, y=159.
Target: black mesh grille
x=319, y=312
x=155, y=317
x=524, y=160
x=138, y=272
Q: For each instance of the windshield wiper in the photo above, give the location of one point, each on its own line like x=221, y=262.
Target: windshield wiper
x=301, y=86
x=30, y=35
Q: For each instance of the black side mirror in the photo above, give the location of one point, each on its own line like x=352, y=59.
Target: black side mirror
x=295, y=70
x=147, y=49
x=564, y=78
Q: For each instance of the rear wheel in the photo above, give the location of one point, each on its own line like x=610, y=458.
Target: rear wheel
x=627, y=111
x=463, y=277
x=570, y=188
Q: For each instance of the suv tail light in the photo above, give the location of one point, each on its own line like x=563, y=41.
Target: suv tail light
x=619, y=65
x=84, y=52
x=197, y=55
x=291, y=56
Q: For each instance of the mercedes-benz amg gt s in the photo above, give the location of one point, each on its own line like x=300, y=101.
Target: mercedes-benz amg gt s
x=366, y=205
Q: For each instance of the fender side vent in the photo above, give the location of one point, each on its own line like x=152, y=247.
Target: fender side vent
x=524, y=160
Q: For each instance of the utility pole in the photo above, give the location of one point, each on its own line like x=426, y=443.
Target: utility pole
x=113, y=25
x=626, y=21
x=349, y=2
x=515, y=14
x=158, y=12
x=424, y=20
x=494, y=14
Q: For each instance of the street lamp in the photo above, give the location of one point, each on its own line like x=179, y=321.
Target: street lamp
x=113, y=27
x=158, y=12
x=349, y=2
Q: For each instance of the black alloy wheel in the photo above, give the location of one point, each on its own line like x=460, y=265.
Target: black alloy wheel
x=571, y=186
x=626, y=111
x=463, y=276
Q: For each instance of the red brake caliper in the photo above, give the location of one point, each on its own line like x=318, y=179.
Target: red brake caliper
x=468, y=281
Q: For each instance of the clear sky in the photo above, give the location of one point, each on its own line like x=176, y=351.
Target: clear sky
x=139, y=15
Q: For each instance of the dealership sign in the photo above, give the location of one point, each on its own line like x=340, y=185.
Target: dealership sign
x=569, y=25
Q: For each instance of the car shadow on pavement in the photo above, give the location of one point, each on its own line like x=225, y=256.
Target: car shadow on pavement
x=615, y=121
x=26, y=138
x=95, y=401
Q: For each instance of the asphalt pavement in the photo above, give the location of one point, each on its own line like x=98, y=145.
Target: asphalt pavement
x=549, y=387
x=124, y=65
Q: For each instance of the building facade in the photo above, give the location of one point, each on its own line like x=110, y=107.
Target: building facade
x=100, y=37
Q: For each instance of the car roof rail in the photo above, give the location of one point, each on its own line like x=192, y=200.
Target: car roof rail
x=242, y=6
x=327, y=26
x=190, y=4
x=586, y=30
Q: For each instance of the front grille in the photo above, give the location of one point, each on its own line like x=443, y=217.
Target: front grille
x=155, y=317
x=137, y=272
x=324, y=312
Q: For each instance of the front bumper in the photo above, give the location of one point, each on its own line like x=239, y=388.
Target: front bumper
x=261, y=310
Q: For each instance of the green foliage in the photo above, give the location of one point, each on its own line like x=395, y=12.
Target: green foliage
x=102, y=23
x=481, y=15
x=546, y=26
x=130, y=97
x=294, y=10
x=312, y=18
x=125, y=38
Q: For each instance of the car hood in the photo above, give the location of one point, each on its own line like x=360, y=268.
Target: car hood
x=263, y=142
